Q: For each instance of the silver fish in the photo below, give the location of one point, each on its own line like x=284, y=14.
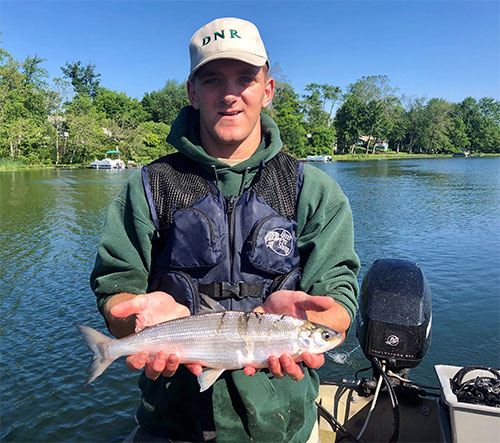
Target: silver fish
x=216, y=340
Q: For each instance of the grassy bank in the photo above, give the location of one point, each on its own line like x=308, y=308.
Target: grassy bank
x=395, y=156
x=385, y=156
x=6, y=164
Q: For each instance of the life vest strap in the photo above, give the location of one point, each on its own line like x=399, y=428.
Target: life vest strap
x=226, y=289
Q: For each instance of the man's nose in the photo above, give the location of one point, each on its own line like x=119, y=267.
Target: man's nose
x=231, y=92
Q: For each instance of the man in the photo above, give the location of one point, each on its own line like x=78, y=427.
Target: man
x=231, y=217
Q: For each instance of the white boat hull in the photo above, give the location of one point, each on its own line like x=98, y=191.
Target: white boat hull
x=108, y=163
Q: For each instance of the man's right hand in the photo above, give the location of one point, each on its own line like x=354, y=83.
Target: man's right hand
x=129, y=313
x=149, y=309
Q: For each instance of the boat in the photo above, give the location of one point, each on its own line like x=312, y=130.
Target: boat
x=393, y=326
x=108, y=162
x=465, y=154
x=319, y=158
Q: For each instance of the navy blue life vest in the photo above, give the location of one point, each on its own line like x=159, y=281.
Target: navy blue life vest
x=236, y=250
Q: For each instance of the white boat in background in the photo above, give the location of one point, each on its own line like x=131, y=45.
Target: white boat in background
x=108, y=162
x=319, y=158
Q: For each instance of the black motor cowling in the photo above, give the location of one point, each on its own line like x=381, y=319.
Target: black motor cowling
x=395, y=313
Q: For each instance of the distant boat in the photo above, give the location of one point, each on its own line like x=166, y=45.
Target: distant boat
x=465, y=154
x=382, y=145
x=108, y=162
x=319, y=158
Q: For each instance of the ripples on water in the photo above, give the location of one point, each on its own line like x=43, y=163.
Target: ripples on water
x=443, y=214
x=50, y=226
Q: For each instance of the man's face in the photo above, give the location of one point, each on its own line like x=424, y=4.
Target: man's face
x=230, y=95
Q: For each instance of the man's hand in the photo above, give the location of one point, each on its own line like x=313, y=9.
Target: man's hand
x=147, y=310
x=150, y=309
x=294, y=303
x=320, y=309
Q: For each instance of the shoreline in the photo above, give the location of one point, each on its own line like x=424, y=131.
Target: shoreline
x=336, y=158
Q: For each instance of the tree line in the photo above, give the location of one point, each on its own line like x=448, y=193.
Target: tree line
x=73, y=119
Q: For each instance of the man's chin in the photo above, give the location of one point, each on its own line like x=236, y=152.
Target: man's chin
x=229, y=139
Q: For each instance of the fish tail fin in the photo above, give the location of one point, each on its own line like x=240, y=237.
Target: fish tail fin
x=96, y=342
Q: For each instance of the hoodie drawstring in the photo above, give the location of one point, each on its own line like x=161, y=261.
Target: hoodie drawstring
x=216, y=175
x=243, y=181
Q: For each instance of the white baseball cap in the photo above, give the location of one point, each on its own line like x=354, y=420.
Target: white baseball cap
x=228, y=37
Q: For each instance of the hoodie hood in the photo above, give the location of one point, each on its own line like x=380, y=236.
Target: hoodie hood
x=185, y=137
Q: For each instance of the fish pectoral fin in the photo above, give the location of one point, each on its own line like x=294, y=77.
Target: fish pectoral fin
x=208, y=377
x=211, y=305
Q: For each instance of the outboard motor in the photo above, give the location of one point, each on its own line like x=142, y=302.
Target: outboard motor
x=395, y=313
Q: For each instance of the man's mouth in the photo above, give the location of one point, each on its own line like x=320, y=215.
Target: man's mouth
x=229, y=113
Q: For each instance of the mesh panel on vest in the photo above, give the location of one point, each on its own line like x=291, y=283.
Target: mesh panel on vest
x=277, y=184
x=175, y=182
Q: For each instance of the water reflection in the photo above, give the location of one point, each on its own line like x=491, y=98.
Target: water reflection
x=443, y=214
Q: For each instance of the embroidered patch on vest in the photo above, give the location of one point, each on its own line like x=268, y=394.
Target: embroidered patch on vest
x=279, y=240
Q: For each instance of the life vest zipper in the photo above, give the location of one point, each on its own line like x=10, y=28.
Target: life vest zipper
x=230, y=204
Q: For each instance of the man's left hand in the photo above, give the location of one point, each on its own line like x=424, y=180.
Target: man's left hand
x=295, y=304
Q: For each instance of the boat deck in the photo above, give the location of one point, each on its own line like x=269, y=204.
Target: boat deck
x=419, y=417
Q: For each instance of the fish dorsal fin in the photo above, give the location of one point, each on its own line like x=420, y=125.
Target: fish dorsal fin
x=211, y=305
x=208, y=377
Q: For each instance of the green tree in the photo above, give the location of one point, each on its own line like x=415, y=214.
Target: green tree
x=286, y=112
x=349, y=123
x=399, y=128
x=489, y=125
x=153, y=138
x=438, y=126
x=458, y=135
x=84, y=79
x=372, y=87
x=23, y=107
x=86, y=137
x=415, y=122
x=322, y=141
x=113, y=104
x=58, y=100
x=380, y=99
x=165, y=104
x=319, y=103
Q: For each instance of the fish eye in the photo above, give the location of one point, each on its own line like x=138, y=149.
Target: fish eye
x=326, y=335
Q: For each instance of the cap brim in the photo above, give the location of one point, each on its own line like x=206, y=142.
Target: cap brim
x=251, y=59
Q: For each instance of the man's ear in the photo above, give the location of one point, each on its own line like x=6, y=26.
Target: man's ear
x=192, y=95
x=268, y=93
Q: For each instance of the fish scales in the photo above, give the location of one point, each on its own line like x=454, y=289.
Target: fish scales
x=217, y=340
x=214, y=339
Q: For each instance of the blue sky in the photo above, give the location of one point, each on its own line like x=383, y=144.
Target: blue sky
x=434, y=48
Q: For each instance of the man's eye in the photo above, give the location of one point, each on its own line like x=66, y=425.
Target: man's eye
x=246, y=79
x=211, y=81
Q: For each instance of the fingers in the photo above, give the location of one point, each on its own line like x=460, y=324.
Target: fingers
x=250, y=370
x=129, y=307
x=316, y=303
x=163, y=363
x=275, y=367
x=195, y=369
x=137, y=361
x=313, y=361
x=292, y=369
x=284, y=365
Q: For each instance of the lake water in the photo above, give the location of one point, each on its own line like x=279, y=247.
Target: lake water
x=443, y=214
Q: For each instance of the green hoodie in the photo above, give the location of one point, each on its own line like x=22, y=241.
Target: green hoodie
x=258, y=408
